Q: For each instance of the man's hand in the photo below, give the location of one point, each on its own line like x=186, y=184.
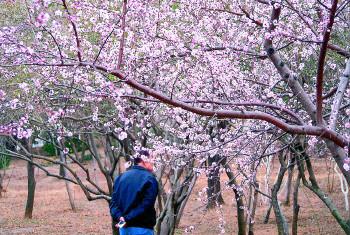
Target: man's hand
x=121, y=223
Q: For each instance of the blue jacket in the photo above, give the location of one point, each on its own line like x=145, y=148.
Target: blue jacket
x=133, y=198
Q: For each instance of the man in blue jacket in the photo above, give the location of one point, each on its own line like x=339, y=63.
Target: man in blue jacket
x=133, y=198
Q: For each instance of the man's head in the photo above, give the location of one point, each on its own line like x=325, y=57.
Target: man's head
x=142, y=159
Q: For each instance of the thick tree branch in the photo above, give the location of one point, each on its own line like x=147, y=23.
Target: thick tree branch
x=343, y=83
x=321, y=63
x=291, y=79
x=256, y=115
x=217, y=102
x=122, y=39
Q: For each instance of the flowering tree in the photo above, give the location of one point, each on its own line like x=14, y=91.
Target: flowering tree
x=280, y=63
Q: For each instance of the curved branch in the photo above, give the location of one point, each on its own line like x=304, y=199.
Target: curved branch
x=256, y=115
x=293, y=129
x=261, y=104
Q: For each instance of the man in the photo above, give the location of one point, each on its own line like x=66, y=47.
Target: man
x=133, y=198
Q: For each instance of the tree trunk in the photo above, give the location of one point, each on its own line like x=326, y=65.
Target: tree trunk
x=76, y=154
x=183, y=203
x=330, y=177
x=94, y=152
x=250, y=201
x=109, y=154
x=1, y=187
x=166, y=221
x=312, y=184
x=296, y=206
x=2, y=172
x=339, y=156
x=214, y=189
x=282, y=224
x=239, y=200
x=82, y=155
x=182, y=182
x=267, y=163
x=289, y=180
x=267, y=214
x=70, y=196
x=31, y=191
x=68, y=184
x=252, y=212
x=252, y=196
x=240, y=215
x=31, y=183
x=167, y=226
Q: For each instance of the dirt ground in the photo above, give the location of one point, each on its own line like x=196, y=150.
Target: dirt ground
x=52, y=213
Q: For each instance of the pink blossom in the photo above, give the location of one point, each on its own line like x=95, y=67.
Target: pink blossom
x=42, y=19
x=65, y=150
x=24, y=86
x=14, y=103
x=123, y=135
x=2, y=95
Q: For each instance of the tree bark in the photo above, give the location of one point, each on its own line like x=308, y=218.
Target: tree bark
x=267, y=214
x=338, y=153
x=31, y=191
x=1, y=183
x=214, y=189
x=76, y=154
x=70, y=196
x=176, y=200
x=282, y=224
x=289, y=180
x=252, y=212
x=95, y=159
x=330, y=178
x=3, y=171
x=250, y=201
x=184, y=201
x=296, y=206
x=239, y=200
x=166, y=221
x=31, y=182
x=68, y=185
x=313, y=186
